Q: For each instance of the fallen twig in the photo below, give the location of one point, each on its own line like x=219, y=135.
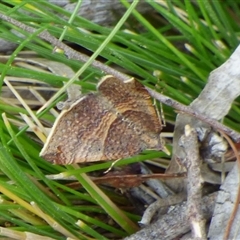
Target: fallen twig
x=192, y=162
x=173, y=224
x=72, y=54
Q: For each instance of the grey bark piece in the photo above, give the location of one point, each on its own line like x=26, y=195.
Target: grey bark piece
x=224, y=206
x=214, y=102
x=102, y=12
x=6, y=46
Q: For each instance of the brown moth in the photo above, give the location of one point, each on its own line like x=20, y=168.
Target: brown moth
x=116, y=122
